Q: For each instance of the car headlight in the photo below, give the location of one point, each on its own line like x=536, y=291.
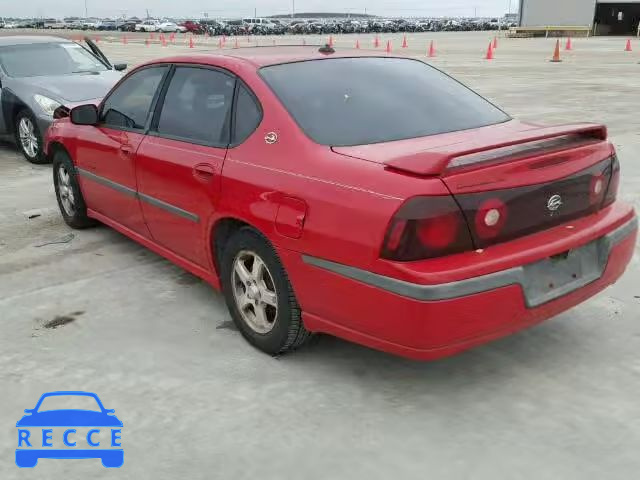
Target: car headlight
x=47, y=104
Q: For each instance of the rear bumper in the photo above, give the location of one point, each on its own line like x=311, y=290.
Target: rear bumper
x=431, y=321
x=601, y=250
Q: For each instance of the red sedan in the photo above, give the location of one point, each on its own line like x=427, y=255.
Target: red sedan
x=372, y=198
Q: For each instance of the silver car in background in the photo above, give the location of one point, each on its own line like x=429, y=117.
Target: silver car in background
x=38, y=75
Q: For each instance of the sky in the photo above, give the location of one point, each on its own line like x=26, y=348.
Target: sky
x=243, y=8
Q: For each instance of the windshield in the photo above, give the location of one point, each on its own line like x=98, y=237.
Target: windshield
x=41, y=59
x=69, y=402
x=359, y=101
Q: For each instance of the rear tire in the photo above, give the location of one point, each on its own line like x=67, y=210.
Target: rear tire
x=278, y=329
x=68, y=193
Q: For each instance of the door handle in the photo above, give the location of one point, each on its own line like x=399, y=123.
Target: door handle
x=126, y=149
x=204, y=172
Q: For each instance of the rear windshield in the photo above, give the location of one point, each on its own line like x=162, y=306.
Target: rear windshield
x=358, y=101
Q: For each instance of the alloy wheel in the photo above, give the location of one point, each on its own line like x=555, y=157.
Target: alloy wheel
x=254, y=292
x=28, y=138
x=65, y=191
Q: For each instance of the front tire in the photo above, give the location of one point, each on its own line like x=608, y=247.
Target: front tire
x=29, y=138
x=259, y=295
x=68, y=193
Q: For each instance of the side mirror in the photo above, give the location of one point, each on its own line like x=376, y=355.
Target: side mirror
x=119, y=67
x=84, y=115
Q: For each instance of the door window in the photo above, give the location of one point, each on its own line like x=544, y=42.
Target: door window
x=197, y=106
x=129, y=105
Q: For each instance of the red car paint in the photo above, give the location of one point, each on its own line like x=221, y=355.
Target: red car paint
x=336, y=204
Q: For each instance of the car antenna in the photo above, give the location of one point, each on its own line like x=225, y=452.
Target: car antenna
x=327, y=49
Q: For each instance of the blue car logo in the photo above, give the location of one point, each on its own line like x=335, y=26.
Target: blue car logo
x=93, y=432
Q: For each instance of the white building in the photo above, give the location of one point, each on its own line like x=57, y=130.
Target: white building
x=612, y=17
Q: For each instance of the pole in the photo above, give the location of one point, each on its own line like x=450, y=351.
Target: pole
x=86, y=11
x=293, y=8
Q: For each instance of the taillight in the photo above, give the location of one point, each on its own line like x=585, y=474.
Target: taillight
x=614, y=182
x=426, y=227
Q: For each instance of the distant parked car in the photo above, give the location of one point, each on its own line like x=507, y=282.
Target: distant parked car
x=128, y=26
x=169, y=27
x=55, y=25
x=31, y=24
x=193, y=27
x=108, y=25
x=76, y=25
x=91, y=24
x=39, y=74
x=148, y=26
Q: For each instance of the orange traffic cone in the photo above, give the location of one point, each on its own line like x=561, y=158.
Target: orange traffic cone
x=628, y=47
x=432, y=50
x=376, y=42
x=568, y=46
x=146, y=42
x=220, y=42
x=357, y=43
x=330, y=40
x=404, y=42
x=388, y=50
x=191, y=42
x=495, y=42
x=163, y=40
x=236, y=44
x=556, y=53
x=489, y=55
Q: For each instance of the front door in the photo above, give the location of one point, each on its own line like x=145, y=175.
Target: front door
x=105, y=156
x=180, y=162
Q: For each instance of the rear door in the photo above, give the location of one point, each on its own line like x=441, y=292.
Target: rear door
x=105, y=153
x=179, y=163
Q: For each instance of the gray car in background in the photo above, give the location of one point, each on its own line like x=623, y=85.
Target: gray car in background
x=40, y=74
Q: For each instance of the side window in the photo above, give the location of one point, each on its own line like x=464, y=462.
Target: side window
x=197, y=106
x=247, y=116
x=128, y=106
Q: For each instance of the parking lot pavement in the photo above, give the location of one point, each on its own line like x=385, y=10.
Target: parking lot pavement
x=559, y=401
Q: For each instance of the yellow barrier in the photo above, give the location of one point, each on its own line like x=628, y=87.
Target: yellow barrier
x=550, y=31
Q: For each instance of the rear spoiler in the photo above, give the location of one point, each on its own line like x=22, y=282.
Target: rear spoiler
x=436, y=161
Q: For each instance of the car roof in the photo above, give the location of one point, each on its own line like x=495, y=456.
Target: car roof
x=29, y=39
x=264, y=56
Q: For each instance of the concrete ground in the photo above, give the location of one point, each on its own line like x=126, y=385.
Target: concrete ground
x=559, y=401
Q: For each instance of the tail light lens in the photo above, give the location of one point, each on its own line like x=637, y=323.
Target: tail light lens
x=614, y=182
x=426, y=227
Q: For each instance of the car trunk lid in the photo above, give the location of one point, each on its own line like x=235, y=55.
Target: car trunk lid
x=513, y=180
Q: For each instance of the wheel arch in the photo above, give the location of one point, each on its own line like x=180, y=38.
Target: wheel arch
x=222, y=230
x=55, y=147
x=11, y=106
